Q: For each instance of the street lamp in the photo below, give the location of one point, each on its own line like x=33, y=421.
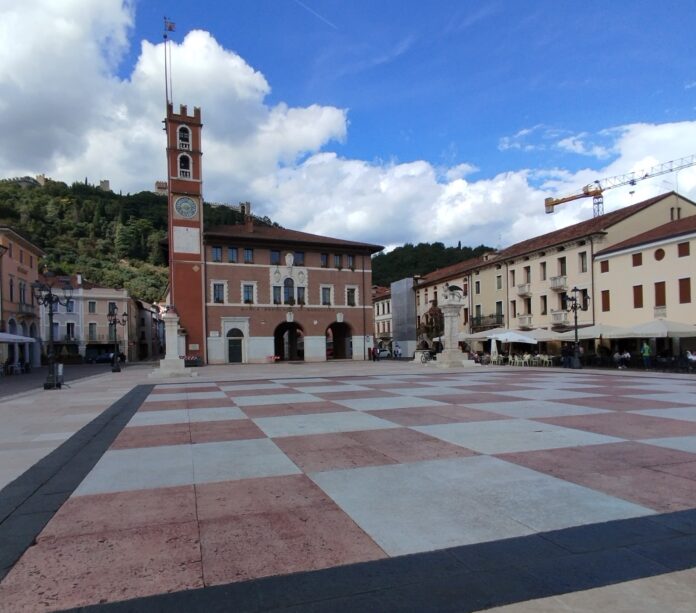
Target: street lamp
x=115, y=322
x=574, y=305
x=44, y=294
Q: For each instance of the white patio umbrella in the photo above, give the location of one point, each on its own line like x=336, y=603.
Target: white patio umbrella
x=494, y=348
x=657, y=328
x=510, y=336
x=590, y=332
x=15, y=338
x=480, y=336
x=543, y=335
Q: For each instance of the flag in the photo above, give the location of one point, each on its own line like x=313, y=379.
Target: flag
x=169, y=26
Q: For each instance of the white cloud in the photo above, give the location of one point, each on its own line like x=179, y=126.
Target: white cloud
x=70, y=117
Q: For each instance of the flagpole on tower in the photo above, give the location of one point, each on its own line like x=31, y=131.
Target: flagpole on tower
x=168, y=91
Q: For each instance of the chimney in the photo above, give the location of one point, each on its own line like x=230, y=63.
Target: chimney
x=79, y=280
x=249, y=223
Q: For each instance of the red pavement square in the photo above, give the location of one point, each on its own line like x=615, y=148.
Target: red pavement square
x=496, y=387
x=274, y=525
x=620, y=403
x=101, y=513
x=152, y=436
x=228, y=430
x=270, y=543
x=184, y=389
x=428, y=416
x=274, y=391
x=466, y=397
x=370, y=393
x=164, y=405
x=208, y=403
x=280, y=410
x=104, y=567
x=632, y=471
x=625, y=425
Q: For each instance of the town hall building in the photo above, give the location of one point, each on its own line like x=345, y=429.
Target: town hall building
x=252, y=293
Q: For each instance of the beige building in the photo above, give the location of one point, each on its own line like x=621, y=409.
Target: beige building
x=382, y=305
x=528, y=285
x=19, y=312
x=648, y=276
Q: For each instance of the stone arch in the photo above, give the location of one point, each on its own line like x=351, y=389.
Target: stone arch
x=339, y=341
x=288, y=341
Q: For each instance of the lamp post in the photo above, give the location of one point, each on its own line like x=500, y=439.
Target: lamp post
x=115, y=322
x=574, y=306
x=44, y=294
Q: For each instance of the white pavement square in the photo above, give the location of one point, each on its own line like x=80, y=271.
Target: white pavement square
x=248, y=401
x=321, y=423
x=504, y=436
x=680, y=443
x=387, y=402
x=532, y=408
x=423, y=506
x=682, y=413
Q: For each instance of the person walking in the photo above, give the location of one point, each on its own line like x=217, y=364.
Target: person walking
x=645, y=353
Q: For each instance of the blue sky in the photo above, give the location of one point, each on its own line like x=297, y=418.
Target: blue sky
x=387, y=121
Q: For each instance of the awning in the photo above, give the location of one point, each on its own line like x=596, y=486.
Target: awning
x=657, y=328
x=15, y=338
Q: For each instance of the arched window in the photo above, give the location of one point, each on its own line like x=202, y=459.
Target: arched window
x=184, y=166
x=235, y=333
x=184, y=137
x=11, y=290
x=289, y=291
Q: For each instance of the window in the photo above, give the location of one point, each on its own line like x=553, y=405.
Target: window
x=582, y=261
x=584, y=299
x=685, y=290
x=112, y=307
x=528, y=306
x=31, y=261
x=301, y=295
x=232, y=255
x=659, y=254
x=675, y=213
x=276, y=294
x=477, y=311
x=604, y=266
x=184, y=137
x=512, y=278
x=22, y=292
x=338, y=263
x=21, y=256
x=92, y=331
x=216, y=254
x=499, y=307
x=275, y=256
x=248, y=255
x=289, y=291
x=56, y=329
x=542, y=271
x=218, y=293
x=9, y=249
x=562, y=266
x=660, y=294
x=544, y=305
x=70, y=306
x=350, y=296
x=324, y=260
x=683, y=250
x=184, y=167
x=351, y=262
x=499, y=282
x=477, y=287
x=466, y=316
x=326, y=296
x=248, y=293
x=513, y=308
x=527, y=274
x=92, y=306
x=605, y=300
x=637, y=259
x=299, y=258
x=11, y=290
x=70, y=330
x=637, y=296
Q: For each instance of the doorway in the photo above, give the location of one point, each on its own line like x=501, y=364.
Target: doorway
x=234, y=346
x=288, y=342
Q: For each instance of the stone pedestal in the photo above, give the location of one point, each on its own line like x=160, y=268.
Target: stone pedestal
x=172, y=365
x=451, y=306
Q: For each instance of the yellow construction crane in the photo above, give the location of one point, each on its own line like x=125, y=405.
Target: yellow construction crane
x=596, y=189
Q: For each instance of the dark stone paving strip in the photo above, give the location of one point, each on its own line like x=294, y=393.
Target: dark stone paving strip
x=462, y=579
x=29, y=502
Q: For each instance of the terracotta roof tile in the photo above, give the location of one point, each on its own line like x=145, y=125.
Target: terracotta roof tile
x=671, y=229
x=282, y=235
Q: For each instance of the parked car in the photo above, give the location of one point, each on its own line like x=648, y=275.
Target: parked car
x=106, y=358
x=384, y=353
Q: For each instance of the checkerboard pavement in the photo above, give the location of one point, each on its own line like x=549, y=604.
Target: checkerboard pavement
x=214, y=483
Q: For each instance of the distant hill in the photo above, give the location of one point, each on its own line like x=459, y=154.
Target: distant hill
x=419, y=259
x=113, y=240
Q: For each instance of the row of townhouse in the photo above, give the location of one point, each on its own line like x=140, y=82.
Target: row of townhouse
x=81, y=329
x=628, y=267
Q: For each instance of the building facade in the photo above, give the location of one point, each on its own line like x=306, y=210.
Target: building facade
x=254, y=292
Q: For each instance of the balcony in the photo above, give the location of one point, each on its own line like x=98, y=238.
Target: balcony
x=660, y=311
x=559, y=318
x=184, y=174
x=524, y=321
x=559, y=284
x=27, y=309
x=100, y=338
x=68, y=338
x=524, y=290
x=484, y=322
x=184, y=144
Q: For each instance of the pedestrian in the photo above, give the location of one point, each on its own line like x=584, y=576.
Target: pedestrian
x=373, y=351
x=397, y=351
x=645, y=353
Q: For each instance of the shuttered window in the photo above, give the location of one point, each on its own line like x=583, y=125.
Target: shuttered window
x=685, y=290
x=637, y=296
x=660, y=298
x=605, y=300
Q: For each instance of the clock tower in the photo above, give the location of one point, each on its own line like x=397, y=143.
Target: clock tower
x=185, y=215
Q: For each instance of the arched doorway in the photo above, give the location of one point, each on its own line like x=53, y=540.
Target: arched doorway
x=288, y=341
x=235, y=338
x=339, y=341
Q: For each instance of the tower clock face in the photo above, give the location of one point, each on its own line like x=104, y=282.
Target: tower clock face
x=186, y=207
